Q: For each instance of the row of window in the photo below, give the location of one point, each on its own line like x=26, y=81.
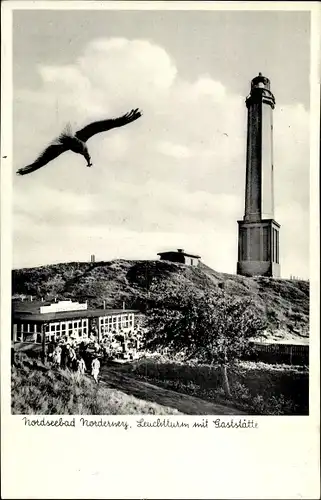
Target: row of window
x=120, y=321
x=78, y=327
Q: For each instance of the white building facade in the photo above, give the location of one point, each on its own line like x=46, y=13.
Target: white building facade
x=67, y=319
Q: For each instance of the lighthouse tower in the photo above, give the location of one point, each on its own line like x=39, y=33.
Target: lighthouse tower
x=258, y=248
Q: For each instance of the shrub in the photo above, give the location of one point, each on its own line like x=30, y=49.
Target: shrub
x=256, y=388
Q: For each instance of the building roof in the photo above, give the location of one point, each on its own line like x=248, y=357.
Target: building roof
x=67, y=315
x=179, y=252
x=28, y=305
x=37, y=307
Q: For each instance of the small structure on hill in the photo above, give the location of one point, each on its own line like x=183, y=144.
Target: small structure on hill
x=181, y=257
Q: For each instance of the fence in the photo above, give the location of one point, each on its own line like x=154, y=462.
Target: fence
x=297, y=278
x=292, y=354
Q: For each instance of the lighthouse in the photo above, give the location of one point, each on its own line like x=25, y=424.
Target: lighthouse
x=258, y=237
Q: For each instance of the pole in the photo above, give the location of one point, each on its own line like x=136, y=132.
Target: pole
x=43, y=331
x=12, y=354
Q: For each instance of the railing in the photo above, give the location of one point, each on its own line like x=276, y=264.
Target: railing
x=293, y=354
x=28, y=337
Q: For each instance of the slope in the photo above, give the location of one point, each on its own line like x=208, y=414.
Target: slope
x=284, y=304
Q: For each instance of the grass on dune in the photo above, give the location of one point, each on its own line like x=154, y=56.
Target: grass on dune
x=38, y=390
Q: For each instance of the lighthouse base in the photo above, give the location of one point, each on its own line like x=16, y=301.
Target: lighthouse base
x=258, y=249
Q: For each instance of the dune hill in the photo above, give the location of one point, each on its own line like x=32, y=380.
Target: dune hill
x=284, y=304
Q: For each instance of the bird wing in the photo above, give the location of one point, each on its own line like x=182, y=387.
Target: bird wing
x=103, y=125
x=52, y=151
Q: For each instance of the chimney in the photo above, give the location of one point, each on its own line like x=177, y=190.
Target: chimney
x=180, y=250
x=30, y=298
x=104, y=304
x=92, y=258
x=124, y=305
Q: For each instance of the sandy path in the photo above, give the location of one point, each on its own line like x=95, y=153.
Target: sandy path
x=189, y=405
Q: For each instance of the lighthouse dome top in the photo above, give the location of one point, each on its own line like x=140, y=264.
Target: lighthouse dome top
x=260, y=81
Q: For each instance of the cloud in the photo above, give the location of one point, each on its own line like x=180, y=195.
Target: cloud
x=174, y=150
x=174, y=178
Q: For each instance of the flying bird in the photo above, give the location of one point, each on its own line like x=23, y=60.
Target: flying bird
x=67, y=141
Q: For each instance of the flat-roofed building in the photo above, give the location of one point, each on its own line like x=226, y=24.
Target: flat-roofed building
x=63, y=319
x=181, y=257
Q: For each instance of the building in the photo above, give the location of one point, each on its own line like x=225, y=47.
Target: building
x=65, y=318
x=181, y=257
x=258, y=234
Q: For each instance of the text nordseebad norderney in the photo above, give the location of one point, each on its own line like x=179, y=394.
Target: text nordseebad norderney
x=218, y=423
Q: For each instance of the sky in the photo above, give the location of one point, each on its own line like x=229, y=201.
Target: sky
x=174, y=178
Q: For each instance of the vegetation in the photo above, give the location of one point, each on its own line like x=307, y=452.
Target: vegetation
x=207, y=327
x=256, y=388
x=282, y=304
x=38, y=390
x=200, y=319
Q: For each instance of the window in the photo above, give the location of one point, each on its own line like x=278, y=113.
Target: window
x=275, y=245
x=243, y=244
x=266, y=243
x=255, y=243
x=104, y=324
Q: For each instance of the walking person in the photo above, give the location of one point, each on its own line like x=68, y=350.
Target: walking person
x=81, y=368
x=72, y=359
x=95, y=365
x=57, y=356
x=64, y=356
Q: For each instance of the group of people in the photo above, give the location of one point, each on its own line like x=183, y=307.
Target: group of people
x=72, y=357
x=83, y=356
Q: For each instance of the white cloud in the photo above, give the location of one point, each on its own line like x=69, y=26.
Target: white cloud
x=205, y=86
x=173, y=178
x=140, y=62
x=174, y=150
